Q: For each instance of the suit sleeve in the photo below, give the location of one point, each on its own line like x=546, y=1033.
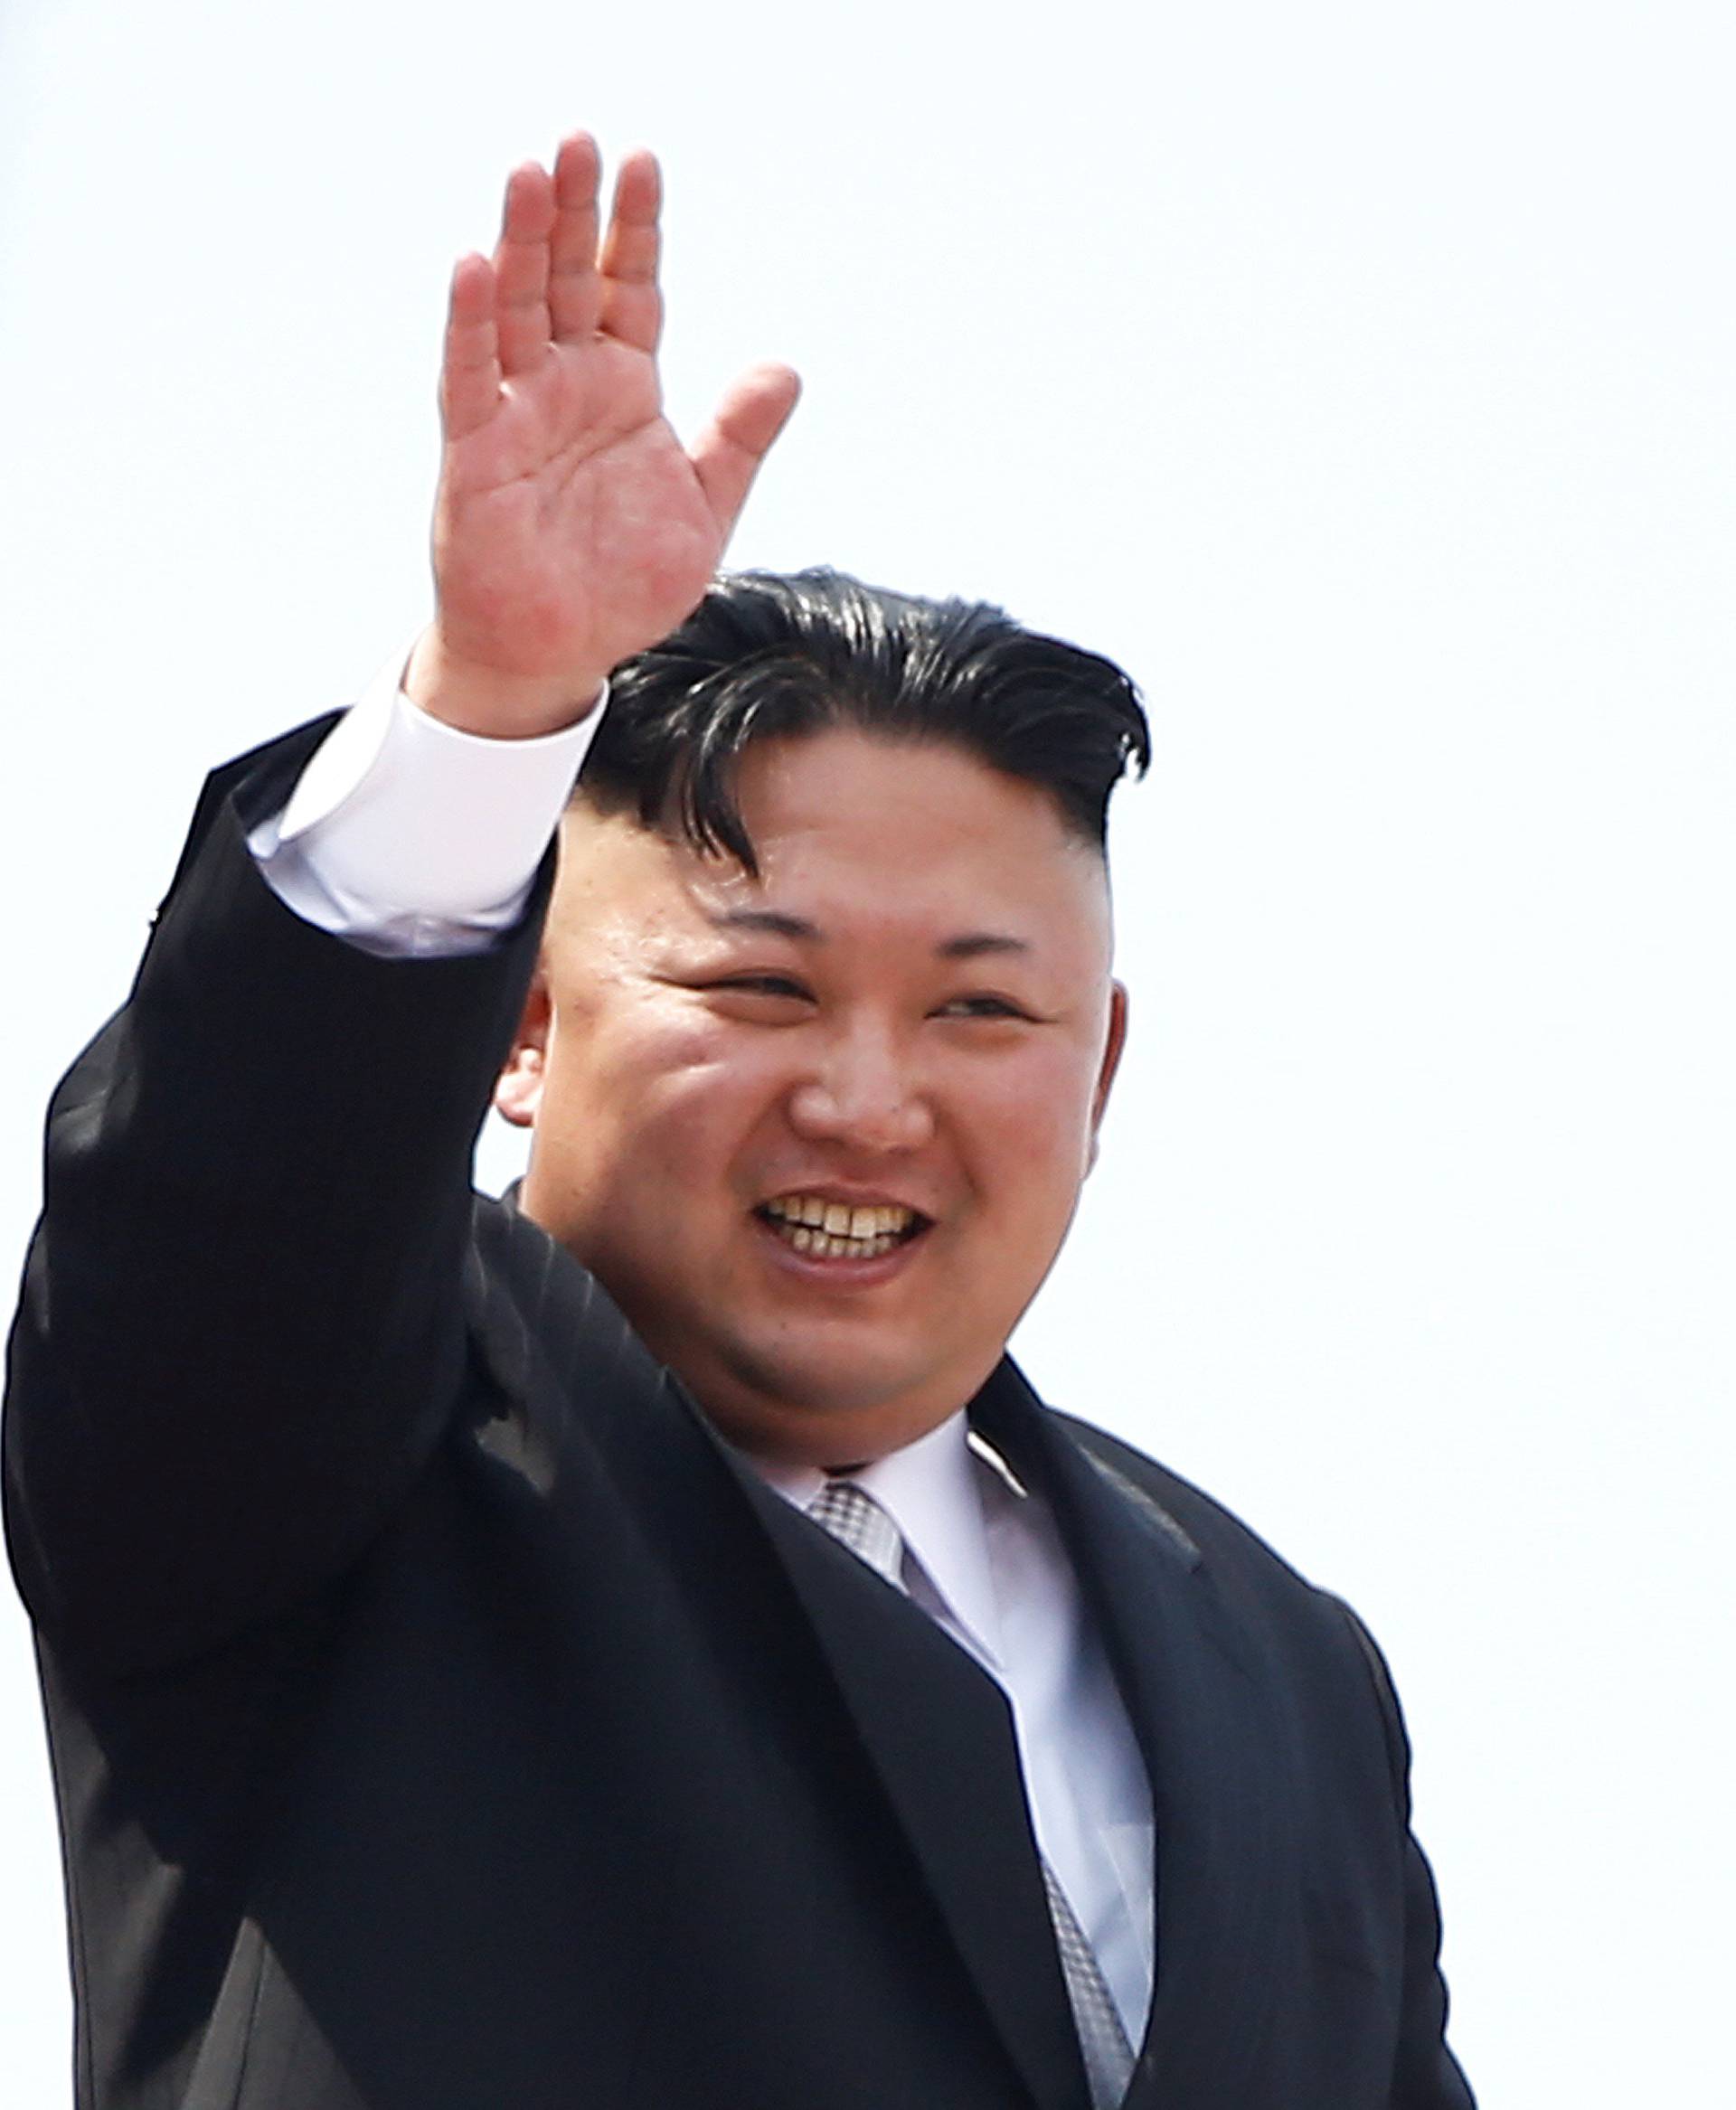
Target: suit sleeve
x=1425, y=2074
x=240, y=1336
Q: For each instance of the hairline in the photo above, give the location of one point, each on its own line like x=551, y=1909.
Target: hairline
x=611, y=802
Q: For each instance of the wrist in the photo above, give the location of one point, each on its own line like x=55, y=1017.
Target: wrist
x=491, y=703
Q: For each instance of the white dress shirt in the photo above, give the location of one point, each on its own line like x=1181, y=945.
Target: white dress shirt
x=407, y=837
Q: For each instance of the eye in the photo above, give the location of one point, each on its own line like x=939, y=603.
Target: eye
x=982, y=1005
x=756, y=995
x=765, y=985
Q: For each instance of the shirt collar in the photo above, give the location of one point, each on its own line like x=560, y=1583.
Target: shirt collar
x=933, y=1489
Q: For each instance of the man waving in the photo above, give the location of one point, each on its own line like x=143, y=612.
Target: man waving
x=642, y=1643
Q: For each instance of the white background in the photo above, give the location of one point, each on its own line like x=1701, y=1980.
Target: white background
x=1361, y=375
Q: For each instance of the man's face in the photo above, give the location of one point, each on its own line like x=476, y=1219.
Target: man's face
x=904, y=1028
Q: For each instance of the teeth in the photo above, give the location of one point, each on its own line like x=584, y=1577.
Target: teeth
x=840, y=1219
x=836, y=1231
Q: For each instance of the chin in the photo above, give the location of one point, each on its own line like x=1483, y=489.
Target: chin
x=818, y=1394
x=801, y=1409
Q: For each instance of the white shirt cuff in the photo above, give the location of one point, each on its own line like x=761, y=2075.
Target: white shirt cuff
x=407, y=836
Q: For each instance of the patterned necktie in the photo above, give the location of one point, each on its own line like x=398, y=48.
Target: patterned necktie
x=852, y=1515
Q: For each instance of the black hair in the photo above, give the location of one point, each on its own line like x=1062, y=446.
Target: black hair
x=767, y=654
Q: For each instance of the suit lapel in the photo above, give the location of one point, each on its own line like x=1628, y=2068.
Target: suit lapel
x=939, y=1733
x=1187, y=1670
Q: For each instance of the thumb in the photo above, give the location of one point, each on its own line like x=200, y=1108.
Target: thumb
x=727, y=456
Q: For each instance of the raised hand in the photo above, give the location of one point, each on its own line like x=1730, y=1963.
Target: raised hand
x=571, y=527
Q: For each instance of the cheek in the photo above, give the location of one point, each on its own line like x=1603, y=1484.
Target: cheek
x=1037, y=1113
x=674, y=1092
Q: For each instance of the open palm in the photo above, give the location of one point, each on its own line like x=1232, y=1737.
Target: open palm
x=572, y=528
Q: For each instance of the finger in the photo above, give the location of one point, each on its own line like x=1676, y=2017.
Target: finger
x=521, y=268
x=575, y=286
x=632, y=304
x=470, y=363
x=729, y=451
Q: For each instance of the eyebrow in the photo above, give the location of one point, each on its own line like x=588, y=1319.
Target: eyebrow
x=970, y=945
x=976, y=944
x=773, y=922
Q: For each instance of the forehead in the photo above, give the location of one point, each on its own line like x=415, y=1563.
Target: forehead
x=860, y=833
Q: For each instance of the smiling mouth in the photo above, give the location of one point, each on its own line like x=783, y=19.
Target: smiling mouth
x=840, y=1230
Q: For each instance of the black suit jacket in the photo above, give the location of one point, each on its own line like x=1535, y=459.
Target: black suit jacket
x=443, y=1718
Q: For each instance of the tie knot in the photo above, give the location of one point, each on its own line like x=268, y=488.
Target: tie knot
x=853, y=1517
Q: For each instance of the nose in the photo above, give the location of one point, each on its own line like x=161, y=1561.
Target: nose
x=862, y=1095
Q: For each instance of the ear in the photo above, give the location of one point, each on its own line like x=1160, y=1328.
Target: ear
x=518, y=1090
x=1114, y=1042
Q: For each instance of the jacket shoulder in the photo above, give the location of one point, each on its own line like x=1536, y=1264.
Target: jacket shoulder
x=1213, y=1530
x=1256, y=1570
x=542, y=1327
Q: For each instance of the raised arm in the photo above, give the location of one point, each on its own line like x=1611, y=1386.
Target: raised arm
x=572, y=528
x=241, y=1333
